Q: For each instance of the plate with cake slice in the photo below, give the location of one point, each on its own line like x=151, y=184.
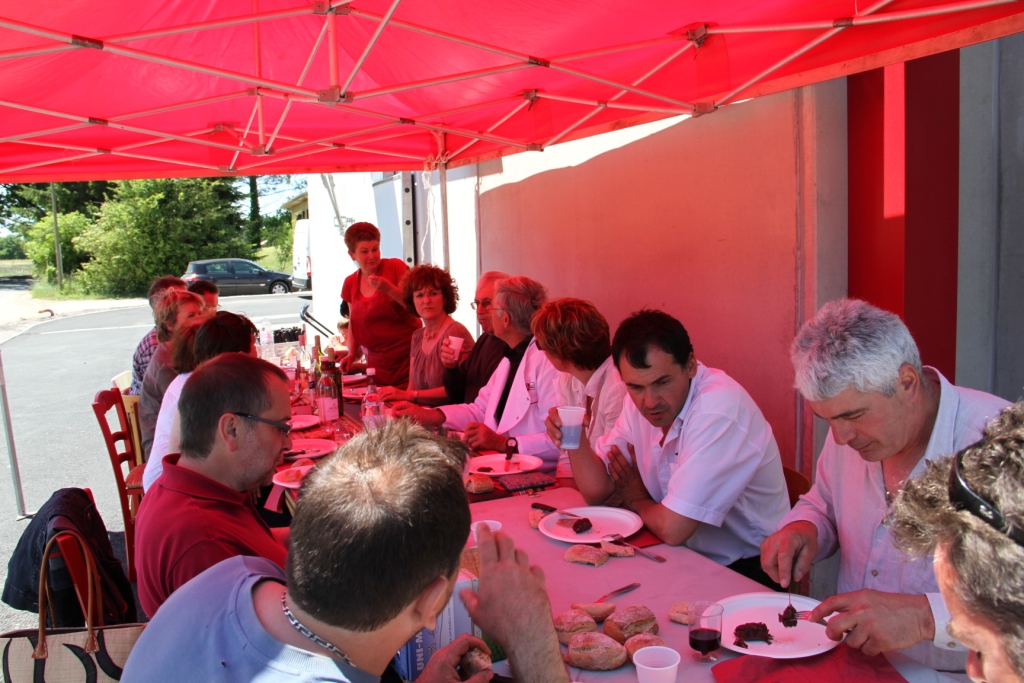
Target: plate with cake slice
x=591, y=524
x=759, y=624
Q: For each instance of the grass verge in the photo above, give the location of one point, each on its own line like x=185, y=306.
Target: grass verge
x=18, y=267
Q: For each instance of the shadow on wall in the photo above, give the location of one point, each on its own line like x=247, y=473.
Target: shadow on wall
x=699, y=219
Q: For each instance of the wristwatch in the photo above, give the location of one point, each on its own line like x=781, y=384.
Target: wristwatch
x=511, y=446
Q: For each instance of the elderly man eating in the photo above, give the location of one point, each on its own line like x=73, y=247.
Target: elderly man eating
x=861, y=371
x=508, y=414
x=234, y=412
x=463, y=380
x=969, y=511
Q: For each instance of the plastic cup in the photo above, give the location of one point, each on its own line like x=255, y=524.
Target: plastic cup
x=456, y=344
x=572, y=426
x=489, y=523
x=656, y=664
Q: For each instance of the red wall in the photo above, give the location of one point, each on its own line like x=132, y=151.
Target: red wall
x=904, y=146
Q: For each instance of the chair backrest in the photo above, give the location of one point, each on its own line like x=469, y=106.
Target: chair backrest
x=120, y=446
x=122, y=381
x=796, y=484
x=131, y=408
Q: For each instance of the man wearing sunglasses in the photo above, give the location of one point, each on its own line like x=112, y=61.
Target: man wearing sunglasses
x=969, y=511
x=463, y=381
x=234, y=431
x=889, y=416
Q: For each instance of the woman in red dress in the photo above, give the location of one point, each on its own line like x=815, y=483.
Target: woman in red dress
x=379, y=320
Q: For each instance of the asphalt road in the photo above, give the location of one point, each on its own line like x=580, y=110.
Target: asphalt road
x=53, y=371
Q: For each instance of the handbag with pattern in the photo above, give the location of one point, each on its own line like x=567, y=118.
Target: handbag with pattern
x=68, y=655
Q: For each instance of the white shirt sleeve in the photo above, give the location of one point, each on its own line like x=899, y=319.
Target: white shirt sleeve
x=940, y=614
x=818, y=505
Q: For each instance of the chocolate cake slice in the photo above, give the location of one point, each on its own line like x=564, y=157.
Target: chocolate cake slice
x=788, y=617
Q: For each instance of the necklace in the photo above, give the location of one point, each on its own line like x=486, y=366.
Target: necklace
x=304, y=630
x=432, y=335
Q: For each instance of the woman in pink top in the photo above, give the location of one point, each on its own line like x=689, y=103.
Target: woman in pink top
x=379, y=320
x=434, y=295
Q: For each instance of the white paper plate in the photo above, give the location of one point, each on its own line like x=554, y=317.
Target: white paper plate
x=314, y=448
x=605, y=520
x=520, y=463
x=352, y=379
x=803, y=640
x=303, y=421
x=354, y=393
x=288, y=478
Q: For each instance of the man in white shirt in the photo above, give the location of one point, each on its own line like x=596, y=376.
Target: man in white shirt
x=508, y=413
x=861, y=371
x=703, y=467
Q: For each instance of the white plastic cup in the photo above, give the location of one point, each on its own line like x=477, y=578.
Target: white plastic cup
x=489, y=523
x=656, y=664
x=456, y=344
x=572, y=426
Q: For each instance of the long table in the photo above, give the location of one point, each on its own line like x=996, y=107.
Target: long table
x=686, y=576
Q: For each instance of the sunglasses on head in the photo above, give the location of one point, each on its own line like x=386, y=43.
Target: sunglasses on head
x=963, y=497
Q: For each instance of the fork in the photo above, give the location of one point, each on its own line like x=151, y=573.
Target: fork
x=618, y=539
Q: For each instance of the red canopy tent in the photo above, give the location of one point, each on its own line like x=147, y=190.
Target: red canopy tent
x=93, y=89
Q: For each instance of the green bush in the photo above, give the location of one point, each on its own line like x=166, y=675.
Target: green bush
x=152, y=228
x=39, y=245
x=11, y=247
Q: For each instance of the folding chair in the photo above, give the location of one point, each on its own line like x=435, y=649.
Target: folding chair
x=127, y=475
x=122, y=381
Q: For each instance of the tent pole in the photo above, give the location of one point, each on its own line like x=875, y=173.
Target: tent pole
x=443, y=169
x=58, y=260
x=12, y=454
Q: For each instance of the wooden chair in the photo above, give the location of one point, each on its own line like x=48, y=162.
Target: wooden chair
x=127, y=475
x=796, y=484
x=131, y=409
x=122, y=381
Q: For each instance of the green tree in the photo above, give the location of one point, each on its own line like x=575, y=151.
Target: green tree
x=155, y=227
x=23, y=204
x=39, y=245
x=12, y=247
x=278, y=232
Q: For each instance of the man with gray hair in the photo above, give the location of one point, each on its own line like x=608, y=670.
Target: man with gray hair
x=969, y=511
x=889, y=417
x=508, y=413
x=463, y=381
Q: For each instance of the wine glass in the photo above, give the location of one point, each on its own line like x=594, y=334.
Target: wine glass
x=706, y=629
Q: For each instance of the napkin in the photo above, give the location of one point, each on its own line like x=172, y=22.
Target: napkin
x=842, y=663
x=275, y=499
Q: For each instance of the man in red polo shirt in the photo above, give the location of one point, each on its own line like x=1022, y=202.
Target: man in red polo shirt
x=233, y=411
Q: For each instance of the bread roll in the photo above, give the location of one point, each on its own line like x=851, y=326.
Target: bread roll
x=616, y=550
x=680, y=613
x=595, y=652
x=629, y=621
x=598, y=610
x=585, y=554
x=474, y=661
x=641, y=641
x=479, y=483
x=571, y=623
x=535, y=517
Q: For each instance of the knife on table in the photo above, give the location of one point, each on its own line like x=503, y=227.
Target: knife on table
x=617, y=593
x=548, y=508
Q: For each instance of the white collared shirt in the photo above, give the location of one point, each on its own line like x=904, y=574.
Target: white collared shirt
x=718, y=464
x=847, y=505
x=606, y=391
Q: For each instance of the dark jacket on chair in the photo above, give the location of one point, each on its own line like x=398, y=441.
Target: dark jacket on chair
x=67, y=509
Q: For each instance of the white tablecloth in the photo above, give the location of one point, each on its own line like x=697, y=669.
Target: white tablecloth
x=685, y=576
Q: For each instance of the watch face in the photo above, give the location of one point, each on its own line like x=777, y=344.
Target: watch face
x=512, y=443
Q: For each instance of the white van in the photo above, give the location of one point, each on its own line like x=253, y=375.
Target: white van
x=302, y=259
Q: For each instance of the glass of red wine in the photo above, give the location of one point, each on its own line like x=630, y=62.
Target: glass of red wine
x=706, y=629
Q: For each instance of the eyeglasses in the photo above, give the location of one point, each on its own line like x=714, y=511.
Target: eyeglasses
x=486, y=303
x=962, y=497
x=283, y=426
